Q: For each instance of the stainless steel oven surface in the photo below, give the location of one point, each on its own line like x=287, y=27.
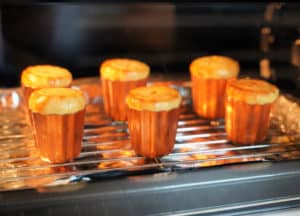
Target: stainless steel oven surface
x=205, y=174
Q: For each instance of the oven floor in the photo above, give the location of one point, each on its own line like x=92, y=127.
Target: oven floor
x=234, y=190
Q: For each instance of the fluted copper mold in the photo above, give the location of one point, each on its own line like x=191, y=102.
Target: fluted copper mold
x=152, y=134
x=246, y=124
x=59, y=136
x=26, y=94
x=208, y=97
x=114, y=94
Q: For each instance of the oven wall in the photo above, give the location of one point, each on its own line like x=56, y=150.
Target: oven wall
x=166, y=35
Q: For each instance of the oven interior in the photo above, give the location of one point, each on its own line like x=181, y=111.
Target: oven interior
x=205, y=174
x=167, y=35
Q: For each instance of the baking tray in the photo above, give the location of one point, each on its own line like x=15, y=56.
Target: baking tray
x=106, y=150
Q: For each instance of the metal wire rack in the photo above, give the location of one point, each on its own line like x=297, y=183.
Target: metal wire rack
x=106, y=150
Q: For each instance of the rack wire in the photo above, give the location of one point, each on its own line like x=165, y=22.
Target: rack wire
x=106, y=150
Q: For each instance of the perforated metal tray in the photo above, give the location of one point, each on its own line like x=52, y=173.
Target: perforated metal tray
x=106, y=150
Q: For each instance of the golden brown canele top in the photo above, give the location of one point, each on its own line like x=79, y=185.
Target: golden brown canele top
x=214, y=67
x=58, y=101
x=43, y=76
x=122, y=69
x=153, y=98
x=251, y=91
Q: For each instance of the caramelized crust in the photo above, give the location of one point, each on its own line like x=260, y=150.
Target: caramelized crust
x=214, y=67
x=56, y=101
x=119, y=69
x=251, y=91
x=153, y=98
x=42, y=76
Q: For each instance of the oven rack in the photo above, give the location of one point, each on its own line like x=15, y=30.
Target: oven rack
x=106, y=150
